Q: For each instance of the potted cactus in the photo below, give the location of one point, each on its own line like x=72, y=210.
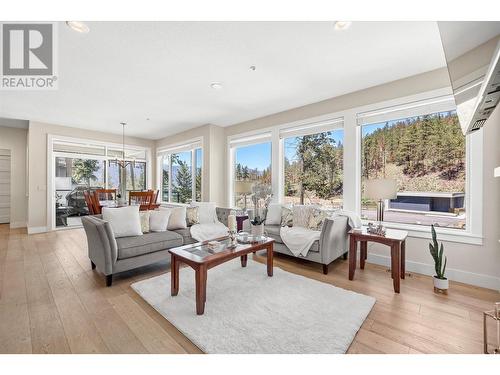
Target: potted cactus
x=440, y=281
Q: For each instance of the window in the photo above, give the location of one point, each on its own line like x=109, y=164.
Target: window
x=313, y=169
x=182, y=177
x=425, y=154
x=252, y=165
x=86, y=166
x=181, y=174
x=133, y=176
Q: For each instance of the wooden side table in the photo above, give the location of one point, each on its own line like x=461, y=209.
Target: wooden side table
x=395, y=239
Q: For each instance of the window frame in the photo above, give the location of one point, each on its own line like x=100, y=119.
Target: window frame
x=473, y=234
x=244, y=140
x=307, y=128
x=167, y=151
x=53, y=139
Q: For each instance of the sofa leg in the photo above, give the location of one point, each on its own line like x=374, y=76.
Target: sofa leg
x=109, y=280
x=344, y=256
x=325, y=269
x=92, y=264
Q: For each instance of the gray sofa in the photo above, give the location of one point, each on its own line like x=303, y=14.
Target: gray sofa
x=112, y=255
x=333, y=242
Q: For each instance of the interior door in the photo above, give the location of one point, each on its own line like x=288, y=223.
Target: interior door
x=4, y=186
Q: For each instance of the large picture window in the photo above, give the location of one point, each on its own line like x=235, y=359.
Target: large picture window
x=87, y=166
x=425, y=154
x=252, y=165
x=313, y=169
x=181, y=174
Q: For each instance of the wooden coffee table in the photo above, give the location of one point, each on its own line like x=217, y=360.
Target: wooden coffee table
x=201, y=258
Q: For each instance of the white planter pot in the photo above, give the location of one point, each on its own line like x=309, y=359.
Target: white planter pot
x=440, y=285
x=257, y=230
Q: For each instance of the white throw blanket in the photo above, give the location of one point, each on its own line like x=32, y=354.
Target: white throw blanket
x=204, y=232
x=298, y=239
x=353, y=218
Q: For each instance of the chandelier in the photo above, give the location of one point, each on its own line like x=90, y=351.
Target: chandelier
x=123, y=163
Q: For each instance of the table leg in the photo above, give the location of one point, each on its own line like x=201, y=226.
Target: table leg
x=270, y=255
x=244, y=260
x=201, y=289
x=362, y=257
x=352, y=256
x=403, y=261
x=396, y=267
x=174, y=275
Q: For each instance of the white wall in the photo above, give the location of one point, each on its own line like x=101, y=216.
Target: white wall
x=15, y=140
x=37, y=164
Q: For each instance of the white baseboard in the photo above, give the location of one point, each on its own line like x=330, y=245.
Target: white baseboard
x=34, y=230
x=484, y=281
x=18, y=224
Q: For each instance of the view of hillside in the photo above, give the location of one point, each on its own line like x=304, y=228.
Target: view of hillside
x=424, y=154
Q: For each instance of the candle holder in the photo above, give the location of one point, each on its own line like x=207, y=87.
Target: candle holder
x=492, y=316
x=232, y=238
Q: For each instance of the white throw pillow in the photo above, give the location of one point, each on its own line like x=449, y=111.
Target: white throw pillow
x=274, y=214
x=177, y=218
x=301, y=215
x=125, y=221
x=206, y=212
x=144, y=215
x=158, y=220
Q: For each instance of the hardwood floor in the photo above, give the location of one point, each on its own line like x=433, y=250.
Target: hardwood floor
x=52, y=302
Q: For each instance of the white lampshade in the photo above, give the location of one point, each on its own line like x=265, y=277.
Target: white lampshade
x=243, y=187
x=381, y=188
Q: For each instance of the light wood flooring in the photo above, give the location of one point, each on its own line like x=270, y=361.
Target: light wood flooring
x=52, y=302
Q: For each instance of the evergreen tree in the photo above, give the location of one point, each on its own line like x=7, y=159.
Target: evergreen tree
x=184, y=182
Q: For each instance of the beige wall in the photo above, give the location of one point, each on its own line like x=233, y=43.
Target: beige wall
x=37, y=143
x=15, y=140
x=408, y=86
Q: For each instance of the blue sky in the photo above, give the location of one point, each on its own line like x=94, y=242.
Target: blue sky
x=259, y=155
x=255, y=156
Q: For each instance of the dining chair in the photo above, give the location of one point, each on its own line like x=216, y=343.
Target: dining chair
x=102, y=195
x=143, y=198
x=89, y=201
x=154, y=203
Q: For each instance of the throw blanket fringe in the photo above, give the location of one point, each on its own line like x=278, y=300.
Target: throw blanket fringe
x=298, y=239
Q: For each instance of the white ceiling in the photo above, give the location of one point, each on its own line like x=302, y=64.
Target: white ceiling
x=462, y=36
x=131, y=71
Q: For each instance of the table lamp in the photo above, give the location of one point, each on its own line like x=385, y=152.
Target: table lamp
x=243, y=188
x=379, y=190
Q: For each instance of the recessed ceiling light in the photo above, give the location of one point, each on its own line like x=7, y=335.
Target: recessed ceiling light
x=78, y=26
x=342, y=25
x=216, y=85
x=253, y=67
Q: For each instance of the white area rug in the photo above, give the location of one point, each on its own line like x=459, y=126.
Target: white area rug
x=248, y=312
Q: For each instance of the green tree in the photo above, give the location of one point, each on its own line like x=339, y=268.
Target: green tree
x=84, y=170
x=184, y=182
